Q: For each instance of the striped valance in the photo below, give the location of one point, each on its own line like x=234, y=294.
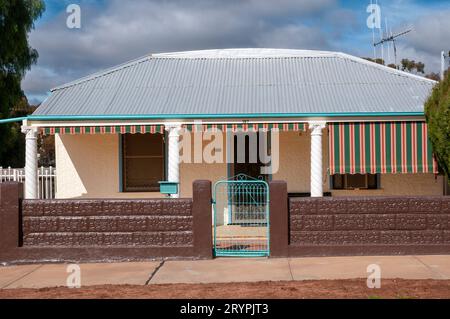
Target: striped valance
x=143, y=129
x=132, y=129
x=381, y=147
x=286, y=127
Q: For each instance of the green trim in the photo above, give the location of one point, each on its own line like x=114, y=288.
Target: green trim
x=215, y=116
x=243, y=253
x=12, y=120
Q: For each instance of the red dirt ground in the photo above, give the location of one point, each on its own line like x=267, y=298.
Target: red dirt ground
x=329, y=289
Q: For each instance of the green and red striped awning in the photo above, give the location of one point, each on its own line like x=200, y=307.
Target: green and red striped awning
x=285, y=127
x=124, y=129
x=381, y=147
x=144, y=129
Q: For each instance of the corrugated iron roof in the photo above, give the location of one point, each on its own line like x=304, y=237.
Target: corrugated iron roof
x=250, y=81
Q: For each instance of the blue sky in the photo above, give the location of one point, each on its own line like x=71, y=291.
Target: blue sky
x=115, y=31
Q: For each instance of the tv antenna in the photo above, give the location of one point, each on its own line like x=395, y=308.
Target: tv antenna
x=392, y=38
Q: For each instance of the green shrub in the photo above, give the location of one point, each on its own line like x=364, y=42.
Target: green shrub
x=437, y=111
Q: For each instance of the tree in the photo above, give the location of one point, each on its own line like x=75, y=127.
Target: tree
x=16, y=57
x=392, y=65
x=437, y=111
x=377, y=60
x=411, y=65
x=433, y=76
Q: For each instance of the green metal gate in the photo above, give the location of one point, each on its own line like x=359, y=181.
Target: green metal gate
x=241, y=217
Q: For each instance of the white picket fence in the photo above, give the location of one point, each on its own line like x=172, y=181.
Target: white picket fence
x=46, y=184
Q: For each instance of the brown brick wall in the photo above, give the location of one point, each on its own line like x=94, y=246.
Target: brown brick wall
x=376, y=222
x=72, y=223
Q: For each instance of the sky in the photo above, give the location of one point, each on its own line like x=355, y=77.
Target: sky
x=116, y=31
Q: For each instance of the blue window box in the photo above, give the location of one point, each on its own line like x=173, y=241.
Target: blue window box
x=168, y=188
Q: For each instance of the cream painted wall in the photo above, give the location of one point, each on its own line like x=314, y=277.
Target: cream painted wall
x=189, y=172
x=88, y=167
x=401, y=184
x=295, y=161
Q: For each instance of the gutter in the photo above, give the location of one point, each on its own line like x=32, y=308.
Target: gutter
x=12, y=120
x=213, y=116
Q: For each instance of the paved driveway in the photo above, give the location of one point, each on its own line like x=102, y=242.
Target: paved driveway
x=227, y=270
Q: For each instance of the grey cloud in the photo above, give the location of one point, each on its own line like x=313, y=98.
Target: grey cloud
x=429, y=37
x=294, y=36
x=431, y=33
x=119, y=32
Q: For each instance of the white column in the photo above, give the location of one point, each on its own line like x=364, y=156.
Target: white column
x=316, y=158
x=31, y=162
x=174, y=155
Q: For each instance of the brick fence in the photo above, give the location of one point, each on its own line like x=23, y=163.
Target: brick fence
x=108, y=230
x=96, y=230
x=358, y=225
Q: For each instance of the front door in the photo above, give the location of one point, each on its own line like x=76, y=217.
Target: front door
x=247, y=160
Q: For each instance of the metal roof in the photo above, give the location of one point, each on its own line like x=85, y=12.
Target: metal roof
x=241, y=81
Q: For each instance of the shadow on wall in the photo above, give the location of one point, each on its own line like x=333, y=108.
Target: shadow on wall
x=88, y=165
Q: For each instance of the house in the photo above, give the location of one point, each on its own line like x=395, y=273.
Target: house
x=330, y=124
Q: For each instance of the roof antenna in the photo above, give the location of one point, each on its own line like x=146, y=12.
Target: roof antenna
x=392, y=38
x=388, y=46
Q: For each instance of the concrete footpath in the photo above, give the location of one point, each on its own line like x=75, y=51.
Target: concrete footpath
x=226, y=270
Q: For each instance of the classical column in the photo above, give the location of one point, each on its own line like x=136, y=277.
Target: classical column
x=316, y=158
x=31, y=162
x=174, y=155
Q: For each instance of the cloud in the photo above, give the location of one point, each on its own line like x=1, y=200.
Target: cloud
x=429, y=37
x=294, y=36
x=114, y=32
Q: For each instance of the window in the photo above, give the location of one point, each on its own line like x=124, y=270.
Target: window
x=143, y=162
x=357, y=181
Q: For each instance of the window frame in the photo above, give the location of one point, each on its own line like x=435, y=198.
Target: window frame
x=124, y=157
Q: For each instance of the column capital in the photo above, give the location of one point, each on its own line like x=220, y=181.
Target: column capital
x=316, y=127
x=172, y=125
x=174, y=129
x=30, y=131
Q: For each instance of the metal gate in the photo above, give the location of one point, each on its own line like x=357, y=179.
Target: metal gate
x=241, y=217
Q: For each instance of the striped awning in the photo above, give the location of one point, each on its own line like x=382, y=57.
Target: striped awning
x=381, y=147
x=285, y=127
x=131, y=129
x=144, y=129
